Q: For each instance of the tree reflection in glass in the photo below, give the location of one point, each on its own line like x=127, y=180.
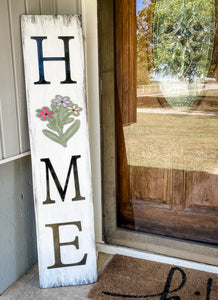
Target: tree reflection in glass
x=179, y=36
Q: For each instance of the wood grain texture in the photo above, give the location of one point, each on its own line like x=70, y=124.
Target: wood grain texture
x=183, y=207
x=151, y=185
x=107, y=69
x=201, y=192
x=124, y=199
x=125, y=22
x=70, y=204
x=190, y=226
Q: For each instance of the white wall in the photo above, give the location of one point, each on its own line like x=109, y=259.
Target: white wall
x=14, y=138
x=17, y=223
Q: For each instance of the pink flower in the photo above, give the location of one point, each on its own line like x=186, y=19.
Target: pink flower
x=75, y=109
x=62, y=100
x=44, y=113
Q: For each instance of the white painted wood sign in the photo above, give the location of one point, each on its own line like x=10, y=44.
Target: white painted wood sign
x=55, y=88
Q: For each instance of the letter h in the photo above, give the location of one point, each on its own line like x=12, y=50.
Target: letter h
x=41, y=59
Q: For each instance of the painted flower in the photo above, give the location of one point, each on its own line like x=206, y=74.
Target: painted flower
x=61, y=100
x=75, y=109
x=44, y=113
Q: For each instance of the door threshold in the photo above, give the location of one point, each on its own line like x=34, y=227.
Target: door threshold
x=114, y=249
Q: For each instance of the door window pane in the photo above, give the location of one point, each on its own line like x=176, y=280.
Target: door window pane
x=168, y=154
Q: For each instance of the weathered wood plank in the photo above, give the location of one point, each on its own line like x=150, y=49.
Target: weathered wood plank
x=125, y=21
x=108, y=115
x=201, y=192
x=60, y=149
x=151, y=186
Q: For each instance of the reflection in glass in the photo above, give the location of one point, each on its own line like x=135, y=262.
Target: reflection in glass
x=172, y=149
x=176, y=86
x=183, y=35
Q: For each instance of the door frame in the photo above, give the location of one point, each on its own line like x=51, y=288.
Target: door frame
x=173, y=247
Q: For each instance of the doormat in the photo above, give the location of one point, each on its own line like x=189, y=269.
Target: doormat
x=133, y=278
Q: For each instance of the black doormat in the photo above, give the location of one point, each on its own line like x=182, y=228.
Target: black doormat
x=133, y=278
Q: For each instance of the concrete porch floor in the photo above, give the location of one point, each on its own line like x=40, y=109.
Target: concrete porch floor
x=27, y=286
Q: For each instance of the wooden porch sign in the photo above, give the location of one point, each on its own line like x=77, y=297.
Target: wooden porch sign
x=54, y=74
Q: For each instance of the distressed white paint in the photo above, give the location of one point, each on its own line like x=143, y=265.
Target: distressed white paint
x=39, y=96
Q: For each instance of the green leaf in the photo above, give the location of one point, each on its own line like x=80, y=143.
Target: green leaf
x=51, y=126
x=68, y=120
x=51, y=136
x=61, y=115
x=63, y=112
x=54, y=107
x=72, y=130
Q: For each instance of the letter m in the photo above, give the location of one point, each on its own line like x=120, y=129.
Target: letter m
x=62, y=192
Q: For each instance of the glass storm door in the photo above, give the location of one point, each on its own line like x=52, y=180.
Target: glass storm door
x=167, y=117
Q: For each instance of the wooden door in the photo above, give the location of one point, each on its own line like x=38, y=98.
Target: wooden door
x=167, y=136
